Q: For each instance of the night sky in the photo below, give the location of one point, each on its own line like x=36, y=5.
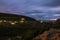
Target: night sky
x=38, y=9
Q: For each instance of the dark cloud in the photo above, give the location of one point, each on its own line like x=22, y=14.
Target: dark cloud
x=34, y=11
x=43, y=9
x=53, y=3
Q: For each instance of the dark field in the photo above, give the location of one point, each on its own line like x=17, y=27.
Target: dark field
x=18, y=27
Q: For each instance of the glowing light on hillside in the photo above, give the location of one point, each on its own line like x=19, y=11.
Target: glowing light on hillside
x=5, y=21
x=21, y=21
x=1, y=21
x=22, y=18
x=41, y=21
x=12, y=23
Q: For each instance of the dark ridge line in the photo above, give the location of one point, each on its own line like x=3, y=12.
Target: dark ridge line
x=10, y=14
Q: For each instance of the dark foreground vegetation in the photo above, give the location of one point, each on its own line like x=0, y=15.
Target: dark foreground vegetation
x=13, y=27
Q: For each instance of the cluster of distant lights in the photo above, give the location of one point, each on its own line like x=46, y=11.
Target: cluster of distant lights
x=21, y=21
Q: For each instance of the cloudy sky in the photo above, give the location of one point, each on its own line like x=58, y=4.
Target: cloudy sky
x=38, y=9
